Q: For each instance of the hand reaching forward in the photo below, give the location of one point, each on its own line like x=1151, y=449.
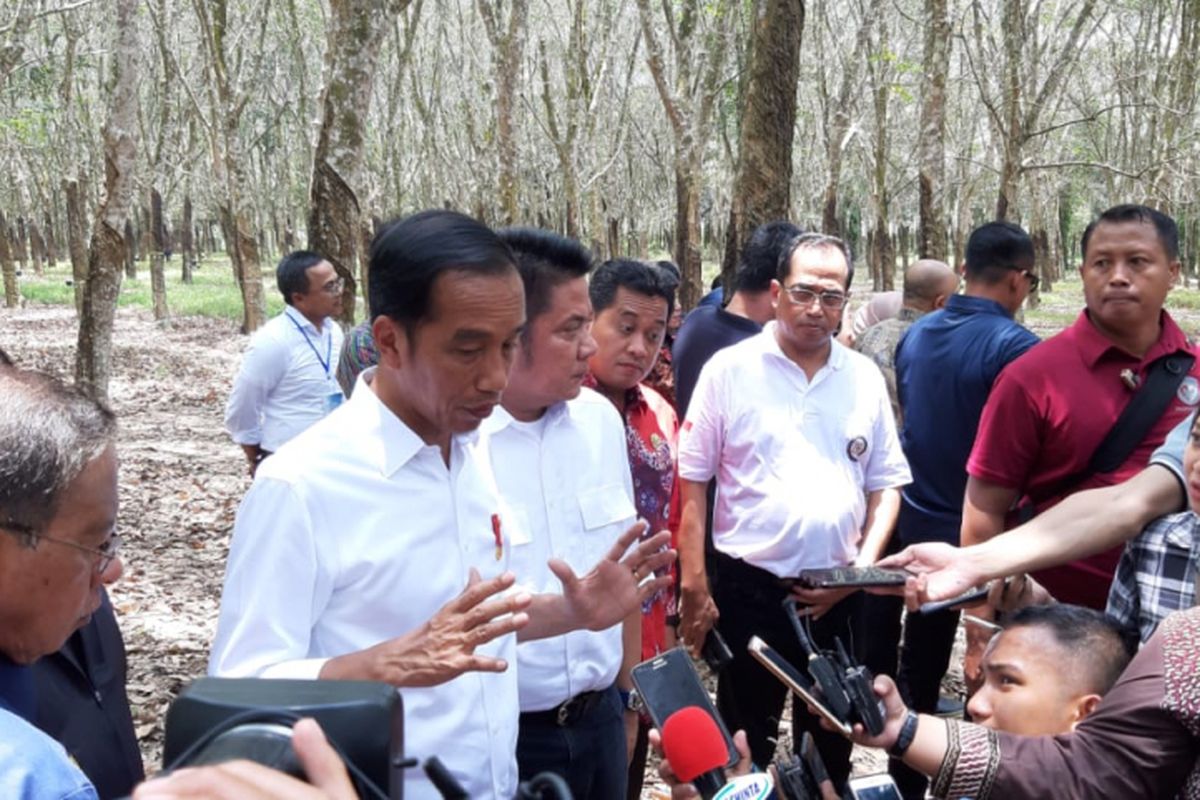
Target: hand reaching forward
x=619, y=583
x=245, y=780
x=444, y=647
x=942, y=572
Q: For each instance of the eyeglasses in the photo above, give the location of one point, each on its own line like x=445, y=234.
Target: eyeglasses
x=1034, y=280
x=804, y=296
x=104, y=555
x=334, y=286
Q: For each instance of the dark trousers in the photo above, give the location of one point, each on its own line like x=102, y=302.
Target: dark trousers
x=918, y=664
x=750, y=698
x=588, y=752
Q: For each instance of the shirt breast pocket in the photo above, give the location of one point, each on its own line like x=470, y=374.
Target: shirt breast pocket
x=601, y=510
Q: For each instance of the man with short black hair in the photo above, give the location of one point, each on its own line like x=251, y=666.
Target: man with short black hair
x=1053, y=407
x=633, y=301
x=558, y=451
x=1049, y=668
x=708, y=329
x=288, y=378
x=376, y=547
x=945, y=366
x=797, y=431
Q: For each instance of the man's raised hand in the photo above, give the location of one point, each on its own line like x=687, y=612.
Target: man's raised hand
x=444, y=647
x=618, y=584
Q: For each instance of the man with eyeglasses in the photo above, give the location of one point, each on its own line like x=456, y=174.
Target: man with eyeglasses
x=798, y=432
x=1053, y=407
x=946, y=364
x=288, y=378
x=58, y=550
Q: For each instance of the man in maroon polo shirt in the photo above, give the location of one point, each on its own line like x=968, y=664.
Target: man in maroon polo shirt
x=1052, y=407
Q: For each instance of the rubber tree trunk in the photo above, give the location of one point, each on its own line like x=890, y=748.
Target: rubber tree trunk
x=77, y=240
x=107, y=252
x=762, y=186
x=158, y=233
x=334, y=220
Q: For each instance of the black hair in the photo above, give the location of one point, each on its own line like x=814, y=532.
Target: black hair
x=1102, y=647
x=759, y=262
x=996, y=248
x=672, y=269
x=545, y=260
x=636, y=276
x=1168, y=231
x=292, y=273
x=813, y=241
x=408, y=255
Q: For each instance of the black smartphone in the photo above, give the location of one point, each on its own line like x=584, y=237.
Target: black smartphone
x=858, y=577
x=669, y=682
x=716, y=652
x=972, y=596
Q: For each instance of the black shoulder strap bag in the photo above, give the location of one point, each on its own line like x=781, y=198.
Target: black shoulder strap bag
x=1145, y=408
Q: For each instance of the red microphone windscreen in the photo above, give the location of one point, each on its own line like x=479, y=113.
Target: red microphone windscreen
x=693, y=743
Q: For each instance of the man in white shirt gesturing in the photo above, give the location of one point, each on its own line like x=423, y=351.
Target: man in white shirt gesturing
x=288, y=378
x=559, y=455
x=353, y=547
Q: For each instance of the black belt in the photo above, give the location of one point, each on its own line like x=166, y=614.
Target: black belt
x=569, y=712
x=753, y=583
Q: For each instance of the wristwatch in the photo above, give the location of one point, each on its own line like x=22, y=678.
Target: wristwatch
x=630, y=700
x=908, y=732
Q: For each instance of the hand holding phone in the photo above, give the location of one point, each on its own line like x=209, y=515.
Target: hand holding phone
x=668, y=683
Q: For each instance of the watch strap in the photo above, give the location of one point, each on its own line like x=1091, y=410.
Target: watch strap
x=908, y=732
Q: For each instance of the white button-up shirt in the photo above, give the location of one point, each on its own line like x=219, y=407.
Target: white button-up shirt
x=357, y=532
x=793, y=459
x=283, y=387
x=566, y=479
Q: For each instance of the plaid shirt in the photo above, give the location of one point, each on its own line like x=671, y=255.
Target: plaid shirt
x=1157, y=573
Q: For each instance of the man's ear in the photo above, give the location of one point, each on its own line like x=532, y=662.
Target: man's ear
x=776, y=290
x=1082, y=707
x=391, y=341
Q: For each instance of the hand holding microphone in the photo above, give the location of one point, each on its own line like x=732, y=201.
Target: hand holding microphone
x=695, y=753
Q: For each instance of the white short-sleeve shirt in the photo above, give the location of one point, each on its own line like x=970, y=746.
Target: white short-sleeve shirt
x=356, y=532
x=793, y=459
x=566, y=479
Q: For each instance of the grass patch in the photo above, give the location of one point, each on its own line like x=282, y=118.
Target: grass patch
x=213, y=292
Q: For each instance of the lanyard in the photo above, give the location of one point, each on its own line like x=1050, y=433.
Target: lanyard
x=328, y=345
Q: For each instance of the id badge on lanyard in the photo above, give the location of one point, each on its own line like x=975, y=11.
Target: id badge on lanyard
x=333, y=395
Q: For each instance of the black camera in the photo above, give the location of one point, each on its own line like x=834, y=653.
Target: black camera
x=219, y=719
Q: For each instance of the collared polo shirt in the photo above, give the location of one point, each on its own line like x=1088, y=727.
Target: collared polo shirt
x=17, y=688
x=566, y=479
x=945, y=367
x=1049, y=411
x=32, y=765
x=704, y=331
x=357, y=532
x=287, y=381
x=793, y=458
